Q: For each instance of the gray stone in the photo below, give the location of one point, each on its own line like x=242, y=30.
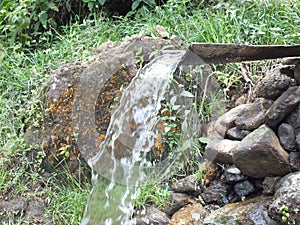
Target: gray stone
x=253, y=116
x=233, y=174
x=287, y=137
x=216, y=193
x=273, y=85
x=36, y=208
x=297, y=73
x=236, y=134
x=293, y=118
x=298, y=141
x=249, y=212
x=175, y=201
x=14, y=205
x=285, y=104
x=243, y=188
x=227, y=120
x=269, y=185
x=221, y=150
x=151, y=215
x=295, y=161
x=260, y=154
x=287, y=199
x=189, y=184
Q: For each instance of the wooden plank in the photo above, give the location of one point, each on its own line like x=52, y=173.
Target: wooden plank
x=230, y=53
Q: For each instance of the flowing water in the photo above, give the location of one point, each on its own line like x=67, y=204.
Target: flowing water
x=120, y=165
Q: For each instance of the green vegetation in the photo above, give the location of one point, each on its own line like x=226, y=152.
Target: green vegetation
x=35, y=40
x=286, y=217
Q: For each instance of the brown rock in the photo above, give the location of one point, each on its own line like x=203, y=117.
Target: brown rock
x=269, y=185
x=285, y=104
x=273, y=85
x=253, y=116
x=260, y=154
x=236, y=134
x=227, y=120
x=222, y=150
x=190, y=184
x=252, y=211
x=175, y=202
x=295, y=161
x=192, y=214
x=287, y=137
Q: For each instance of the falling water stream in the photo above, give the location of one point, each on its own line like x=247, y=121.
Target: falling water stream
x=120, y=165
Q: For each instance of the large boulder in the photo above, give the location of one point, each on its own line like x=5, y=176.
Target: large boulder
x=253, y=211
x=84, y=95
x=261, y=155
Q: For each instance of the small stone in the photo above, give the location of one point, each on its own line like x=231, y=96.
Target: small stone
x=253, y=117
x=293, y=118
x=285, y=104
x=273, y=85
x=244, y=188
x=14, y=206
x=192, y=214
x=298, y=141
x=175, y=202
x=295, y=161
x=236, y=134
x=233, y=174
x=297, y=73
x=220, y=151
x=36, y=208
x=287, y=70
x=189, y=184
x=287, y=137
x=210, y=171
x=227, y=120
x=153, y=216
x=161, y=31
x=260, y=154
x=269, y=185
x=216, y=193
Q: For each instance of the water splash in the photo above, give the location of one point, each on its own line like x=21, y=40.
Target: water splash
x=121, y=165
x=117, y=169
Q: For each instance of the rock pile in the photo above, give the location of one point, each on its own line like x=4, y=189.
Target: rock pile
x=257, y=145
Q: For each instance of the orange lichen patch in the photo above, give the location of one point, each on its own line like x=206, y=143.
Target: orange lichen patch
x=58, y=132
x=102, y=137
x=109, y=96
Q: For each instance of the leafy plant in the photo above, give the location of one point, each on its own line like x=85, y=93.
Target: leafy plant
x=152, y=192
x=286, y=214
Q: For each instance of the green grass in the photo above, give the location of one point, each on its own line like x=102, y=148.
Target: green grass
x=23, y=71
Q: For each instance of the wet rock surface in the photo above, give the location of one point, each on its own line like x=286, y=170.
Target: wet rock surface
x=287, y=200
x=254, y=211
x=92, y=88
x=192, y=214
x=175, y=201
x=189, y=184
x=151, y=215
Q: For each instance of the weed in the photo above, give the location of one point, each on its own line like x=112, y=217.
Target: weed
x=152, y=192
